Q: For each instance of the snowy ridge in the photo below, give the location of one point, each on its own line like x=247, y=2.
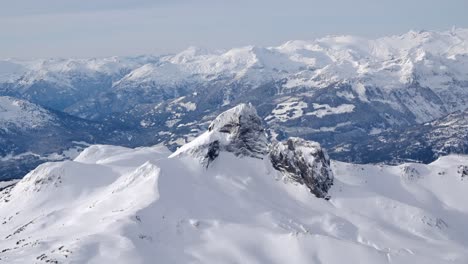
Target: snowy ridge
x=114, y=204
x=437, y=58
x=21, y=114
x=434, y=58
x=59, y=71
x=422, y=74
x=123, y=205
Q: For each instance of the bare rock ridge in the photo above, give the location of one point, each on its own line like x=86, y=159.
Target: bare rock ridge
x=304, y=162
x=240, y=131
x=244, y=127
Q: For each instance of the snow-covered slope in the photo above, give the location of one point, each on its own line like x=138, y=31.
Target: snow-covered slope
x=59, y=83
x=122, y=205
x=61, y=72
x=119, y=205
x=31, y=134
x=22, y=114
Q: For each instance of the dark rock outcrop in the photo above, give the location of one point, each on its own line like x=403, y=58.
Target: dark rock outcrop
x=304, y=162
x=244, y=129
x=238, y=130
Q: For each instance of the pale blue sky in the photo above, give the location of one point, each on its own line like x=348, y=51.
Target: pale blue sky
x=86, y=28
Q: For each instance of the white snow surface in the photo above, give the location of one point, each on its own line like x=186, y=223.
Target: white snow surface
x=21, y=114
x=325, y=109
x=290, y=109
x=119, y=205
x=62, y=71
x=388, y=62
x=437, y=58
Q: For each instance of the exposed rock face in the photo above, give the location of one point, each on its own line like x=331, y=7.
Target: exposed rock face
x=238, y=130
x=463, y=170
x=244, y=127
x=304, y=162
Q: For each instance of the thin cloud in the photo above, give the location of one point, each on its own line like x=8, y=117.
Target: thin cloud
x=52, y=28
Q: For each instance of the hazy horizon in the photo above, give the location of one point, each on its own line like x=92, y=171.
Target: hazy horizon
x=83, y=29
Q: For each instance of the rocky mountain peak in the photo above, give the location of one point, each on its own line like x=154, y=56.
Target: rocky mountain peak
x=238, y=130
x=240, y=115
x=244, y=130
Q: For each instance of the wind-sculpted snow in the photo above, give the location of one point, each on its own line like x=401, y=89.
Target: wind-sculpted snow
x=304, y=162
x=120, y=205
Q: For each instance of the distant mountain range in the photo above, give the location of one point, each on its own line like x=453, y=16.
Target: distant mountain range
x=381, y=100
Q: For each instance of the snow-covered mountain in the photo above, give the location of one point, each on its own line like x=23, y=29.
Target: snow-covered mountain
x=339, y=90
x=121, y=205
x=433, y=59
x=428, y=59
x=31, y=134
x=16, y=113
x=59, y=83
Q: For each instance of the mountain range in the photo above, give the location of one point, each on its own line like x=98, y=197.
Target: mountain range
x=365, y=100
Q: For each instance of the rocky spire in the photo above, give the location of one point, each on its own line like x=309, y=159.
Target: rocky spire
x=240, y=131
